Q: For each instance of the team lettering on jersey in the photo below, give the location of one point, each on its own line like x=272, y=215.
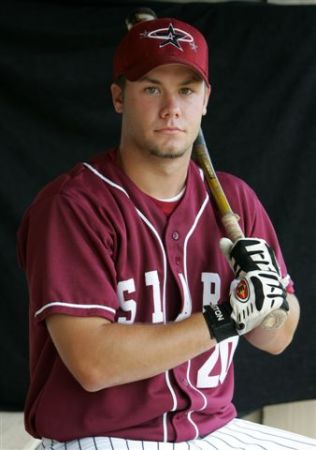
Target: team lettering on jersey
x=214, y=370
x=211, y=294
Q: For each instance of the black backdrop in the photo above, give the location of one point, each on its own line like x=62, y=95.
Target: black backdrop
x=55, y=109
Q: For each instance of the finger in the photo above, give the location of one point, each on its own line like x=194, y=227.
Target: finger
x=226, y=245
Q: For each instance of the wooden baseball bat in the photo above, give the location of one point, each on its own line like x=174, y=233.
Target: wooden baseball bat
x=230, y=221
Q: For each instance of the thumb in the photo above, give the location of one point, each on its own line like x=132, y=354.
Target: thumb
x=225, y=245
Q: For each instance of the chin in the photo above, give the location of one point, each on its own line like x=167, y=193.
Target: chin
x=170, y=150
x=168, y=154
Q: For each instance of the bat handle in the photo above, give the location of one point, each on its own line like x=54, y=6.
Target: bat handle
x=231, y=225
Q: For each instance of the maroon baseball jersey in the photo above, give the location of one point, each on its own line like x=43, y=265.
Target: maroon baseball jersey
x=93, y=244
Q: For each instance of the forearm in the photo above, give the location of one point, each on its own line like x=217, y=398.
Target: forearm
x=112, y=354
x=276, y=340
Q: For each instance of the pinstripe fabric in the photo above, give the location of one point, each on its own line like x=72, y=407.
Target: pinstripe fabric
x=238, y=435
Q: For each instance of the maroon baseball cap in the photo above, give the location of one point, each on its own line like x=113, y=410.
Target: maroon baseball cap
x=160, y=41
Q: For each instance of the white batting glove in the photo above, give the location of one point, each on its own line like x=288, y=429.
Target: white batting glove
x=254, y=296
x=249, y=254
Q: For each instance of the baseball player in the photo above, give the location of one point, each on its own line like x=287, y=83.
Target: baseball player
x=137, y=302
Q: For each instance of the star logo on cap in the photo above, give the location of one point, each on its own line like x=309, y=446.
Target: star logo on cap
x=171, y=36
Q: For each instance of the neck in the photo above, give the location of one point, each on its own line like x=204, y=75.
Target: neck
x=161, y=178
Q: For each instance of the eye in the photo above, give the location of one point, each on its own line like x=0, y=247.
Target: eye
x=152, y=90
x=186, y=91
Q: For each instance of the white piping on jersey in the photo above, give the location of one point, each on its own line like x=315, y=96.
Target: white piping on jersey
x=107, y=180
x=164, y=257
x=73, y=305
x=189, y=414
x=165, y=427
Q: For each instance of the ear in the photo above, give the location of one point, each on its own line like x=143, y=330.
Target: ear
x=117, y=97
x=206, y=98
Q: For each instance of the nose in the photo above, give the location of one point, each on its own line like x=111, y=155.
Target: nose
x=170, y=107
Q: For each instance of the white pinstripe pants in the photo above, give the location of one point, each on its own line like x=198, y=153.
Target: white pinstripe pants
x=237, y=434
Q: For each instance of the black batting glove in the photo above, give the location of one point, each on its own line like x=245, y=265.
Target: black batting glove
x=218, y=319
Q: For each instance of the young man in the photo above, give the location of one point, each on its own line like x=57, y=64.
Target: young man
x=133, y=326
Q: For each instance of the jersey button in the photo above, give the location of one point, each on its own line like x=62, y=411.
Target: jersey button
x=175, y=236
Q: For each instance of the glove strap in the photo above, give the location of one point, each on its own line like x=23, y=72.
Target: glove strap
x=219, y=322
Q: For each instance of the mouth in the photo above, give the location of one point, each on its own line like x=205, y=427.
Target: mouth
x=169, y=130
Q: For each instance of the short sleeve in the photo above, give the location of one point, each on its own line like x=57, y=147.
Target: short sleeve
x=67, y=254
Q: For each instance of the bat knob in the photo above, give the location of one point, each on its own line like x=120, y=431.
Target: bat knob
x=275, y=319
x=139, y=15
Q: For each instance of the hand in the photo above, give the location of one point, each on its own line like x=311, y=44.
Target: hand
x=249, y=254
x=254, y=296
